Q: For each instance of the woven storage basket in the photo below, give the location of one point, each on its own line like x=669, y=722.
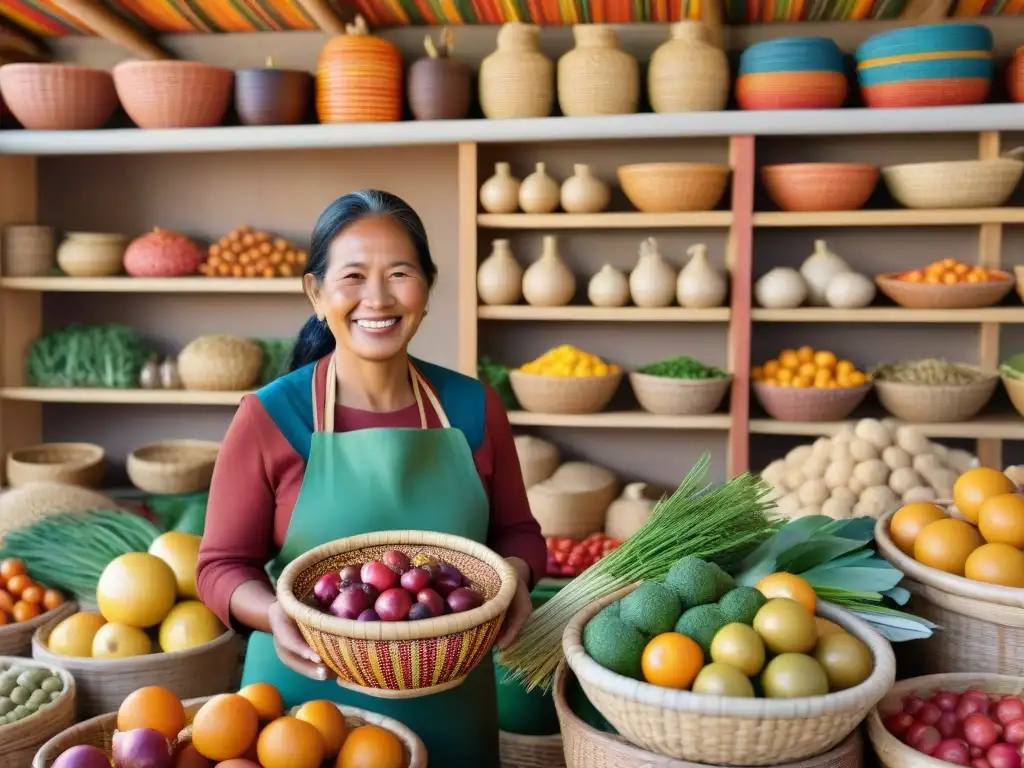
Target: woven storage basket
x=99, y=732
x=587, y=747
x=929, y=403
x=892, y=752
x=27, y=251
x=220, y=363
x=1015, y=389
x=937, y=296
x=19, y=741
x=16, y=639
x=173, y=466
x=79, y=464
x=954, y=184
x=729, y=730
x=519, y=751
x=563, y=394
x=673, y=187
x=982, y=625
x=812, y=404
x=173, y=94
x=568, y=512
x=104, y=683
x=820, y=186
x=665, y=396
x=401, y=659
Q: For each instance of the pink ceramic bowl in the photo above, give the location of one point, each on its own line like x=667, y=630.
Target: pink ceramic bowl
x=58, y=97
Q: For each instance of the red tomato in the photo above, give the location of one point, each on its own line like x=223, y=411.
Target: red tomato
x=564, y=545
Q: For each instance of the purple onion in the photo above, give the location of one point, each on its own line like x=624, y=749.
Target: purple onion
x=464, y=599
x=82, y=756
x=352, y=601
x=141, y=748
x=446, y=583
x=368, y=615
x=350, y=574
x=327, y=588
x=415, y=580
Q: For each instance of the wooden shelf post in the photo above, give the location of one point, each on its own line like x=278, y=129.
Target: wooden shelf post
x=739, y=259
x=467, y=301
x=990, y=246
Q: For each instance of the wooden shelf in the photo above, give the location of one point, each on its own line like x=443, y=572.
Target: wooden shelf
x=605, y=314
x=892, y=218
x=119, y=396
x=624, y=220
x=620, y=420
x=987, y=427
x=287, y=285
x=888, y=315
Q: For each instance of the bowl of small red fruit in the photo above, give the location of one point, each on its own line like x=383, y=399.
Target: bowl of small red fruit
x=399, y=614
x=967, y=719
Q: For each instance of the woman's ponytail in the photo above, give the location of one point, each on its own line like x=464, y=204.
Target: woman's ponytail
x=315, y=341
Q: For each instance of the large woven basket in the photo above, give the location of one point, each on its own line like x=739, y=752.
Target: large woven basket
x=929, y=403
x=79, y=464
x=1015, y=389
x=104, y=683
x=20, y=740
x=954, y=184
x=173, y=466
x=666, y=396
x=563, y=394
x=519, y=751
x=820, y=186
x=729, y=730
x=937, y=296
x=16, y=639
x=403, y=659
x=674, y=187
x=811, y=404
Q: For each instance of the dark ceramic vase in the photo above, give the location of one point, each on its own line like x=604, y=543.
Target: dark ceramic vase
x=439, y=89
x=269, y=96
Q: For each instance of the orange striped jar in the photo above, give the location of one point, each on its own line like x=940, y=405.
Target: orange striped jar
x=359, y=78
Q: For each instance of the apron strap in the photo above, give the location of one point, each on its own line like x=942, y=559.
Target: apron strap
x=323, y=421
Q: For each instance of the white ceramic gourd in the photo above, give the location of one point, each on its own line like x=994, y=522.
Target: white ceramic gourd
x=818, y=269
x=499, y=280
x=850, y=290
x=583, y=192
x=539, y=193
x=608, y=288
x=652, y=283
x=548, y=282
x=500, y=193
x=700, y=286
x=781, y=288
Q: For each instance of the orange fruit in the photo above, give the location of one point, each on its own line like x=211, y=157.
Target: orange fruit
x=12, y=566
x=975, y=486
x=290, y=743
x=25, y=611
x=152, y=707
x=18, y=584
x=328, y=720
x=789, y=585
x=6, y=601
x=3, y=618
x=946, y=545
x=52, y=598
x=33, y=594
x=671, y=660
x=1001, y=519
x=999, y=564
x=908, y=522
x=267, y=700
x=370, y=746
x=225, y=727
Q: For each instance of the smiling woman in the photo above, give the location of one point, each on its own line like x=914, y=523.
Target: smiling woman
x=360, y=437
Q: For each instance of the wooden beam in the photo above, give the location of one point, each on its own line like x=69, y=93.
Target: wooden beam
x=323, y=15
x=112, y=27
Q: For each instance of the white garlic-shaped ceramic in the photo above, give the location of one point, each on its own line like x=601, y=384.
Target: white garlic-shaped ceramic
x=539, y=193
x=652, y=283
x=780, y=288
x=608, y=288
x=548, y=282
x=818, y=269
x=500, y=193
x=850, y=290
x=700, y=285
x=499, y=280
x=583, y=192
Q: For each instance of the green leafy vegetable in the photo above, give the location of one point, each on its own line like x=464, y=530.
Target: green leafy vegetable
x=109, y=356
x=1013, y=367
x=682, y=367
x=497, y=376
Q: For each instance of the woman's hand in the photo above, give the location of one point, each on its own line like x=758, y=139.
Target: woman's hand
x=519, y=609
x=291, y=646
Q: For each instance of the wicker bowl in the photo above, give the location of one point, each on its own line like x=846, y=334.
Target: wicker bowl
x=173, y=94
x=665, y=396
x=80, y=464
x=674, y=187
x=937, y=296
x=58, y=97
x=820, y=186
x=728, y=730
x=21, y=739
x=811, y=404
x=563, y=394
x=16, y=639
x=954, y=184
x=929, y=403
x=400, y=659
x=1015, y=389
x=173, y=466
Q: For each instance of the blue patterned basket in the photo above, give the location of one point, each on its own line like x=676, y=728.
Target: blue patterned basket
x=939, y=69
x=934, y=38
x=792, y=54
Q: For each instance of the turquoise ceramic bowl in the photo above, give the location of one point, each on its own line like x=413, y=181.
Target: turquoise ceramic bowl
x=795, y=54
x=940, y=69
x=927, y=39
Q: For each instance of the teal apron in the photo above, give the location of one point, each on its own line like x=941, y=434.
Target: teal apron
x=382, y=479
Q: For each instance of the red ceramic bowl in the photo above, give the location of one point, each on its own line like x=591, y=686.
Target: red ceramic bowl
x=939, y=92
x=820, y=186
x=792, y=90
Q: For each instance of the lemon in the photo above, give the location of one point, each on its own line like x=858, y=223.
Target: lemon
x=138, y=589
x=181, y=552
x=119, y=641
x=74, y=635
x=189, y=624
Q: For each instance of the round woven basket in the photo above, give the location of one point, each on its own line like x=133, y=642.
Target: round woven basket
x=220, y=363
x=27, y=250
x=16, y=639
x=936, y=296
x=80, y=464
x=1015, y=389
x=56, y=96
x=20, y=740
x=665, y=396
x=820, y=186
x=954, y=184
x=729, y=730
x=811, y=404
x=520, y=751
x=173, y=466
x=563, y=394
x=673, y=187
x=104, y=683
x=173, y=94
x=403, y=659
x=930, y=403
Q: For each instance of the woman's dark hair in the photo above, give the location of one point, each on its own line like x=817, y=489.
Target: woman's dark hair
x=315, y=339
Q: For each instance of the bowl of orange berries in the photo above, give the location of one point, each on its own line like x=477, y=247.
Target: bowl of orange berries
x=25, y=605
x=806, y=384
x=946, y=284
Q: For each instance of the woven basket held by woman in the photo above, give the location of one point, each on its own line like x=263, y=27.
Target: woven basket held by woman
x=359, y=437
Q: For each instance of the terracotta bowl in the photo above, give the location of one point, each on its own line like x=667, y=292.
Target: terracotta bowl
x=173, y=94
x=934, y=296
x=811, y=404
x=820, y=186
x=58, y=97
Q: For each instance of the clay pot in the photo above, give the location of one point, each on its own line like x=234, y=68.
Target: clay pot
x=269, y=96
x=438, y=84
x=92, y=254
x=500, y=193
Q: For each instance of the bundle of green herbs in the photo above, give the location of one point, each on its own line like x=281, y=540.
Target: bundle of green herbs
x=682, y=367
x=719, y=524
x=109, y=356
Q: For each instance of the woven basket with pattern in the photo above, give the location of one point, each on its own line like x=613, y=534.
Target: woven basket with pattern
x=954, y=184
x=173, y=466
x=665, y=396
x=404, y=659
x=563, y=394
x=20, y=740
x=810, y=404
x=938, y=296
x=929, y=403
x=79, y=464
x=674, y=187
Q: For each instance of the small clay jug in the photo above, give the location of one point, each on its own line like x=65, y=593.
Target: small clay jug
x=438, y=84
x=500, y=193
x=500, y=277
x=583, y=192
x=539, y=193
x=271, y=96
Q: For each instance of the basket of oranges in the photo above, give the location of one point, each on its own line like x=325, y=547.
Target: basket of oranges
x=809, y=385
x=964, y=567
x=25, y=605
x=946, y=284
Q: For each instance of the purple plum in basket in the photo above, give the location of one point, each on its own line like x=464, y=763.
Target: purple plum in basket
x=432, y=600
x=397, y=561
x=445, y=584
x=327, y=588
x=368, y=615
x=415, y=580
x=455, y=573
x=351, y=602
x=464, y=599
x=420, y=611
x=350, y=575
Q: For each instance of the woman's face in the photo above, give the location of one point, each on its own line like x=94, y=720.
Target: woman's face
x=374, y=294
